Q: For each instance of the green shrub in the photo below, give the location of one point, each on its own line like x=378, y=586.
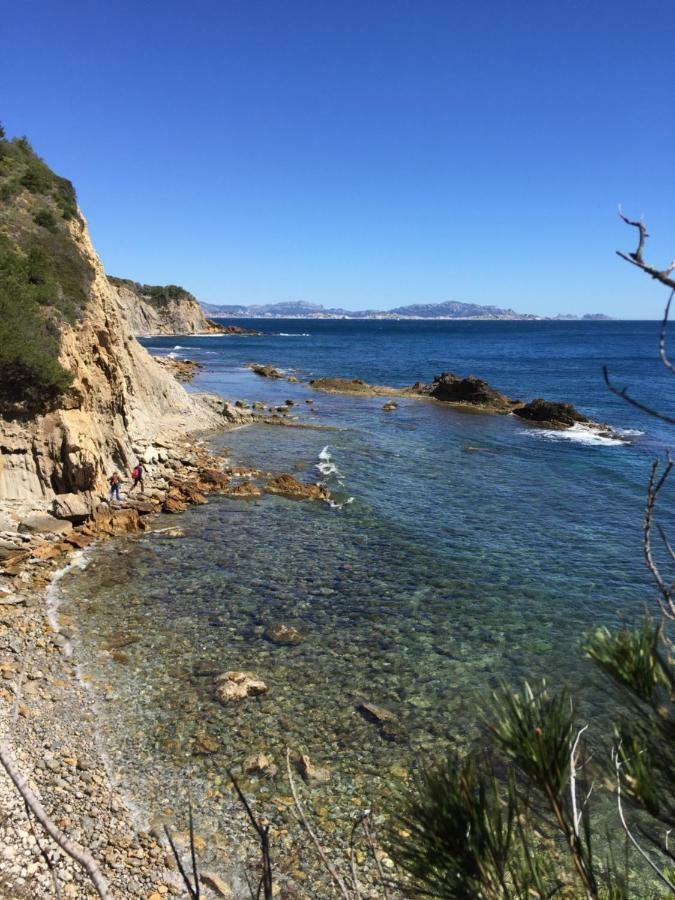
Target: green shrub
x=45, y=218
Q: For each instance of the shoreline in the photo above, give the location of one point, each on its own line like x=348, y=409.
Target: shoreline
x=48, y=713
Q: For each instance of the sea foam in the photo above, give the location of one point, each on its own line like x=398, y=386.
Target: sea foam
x=587, y=435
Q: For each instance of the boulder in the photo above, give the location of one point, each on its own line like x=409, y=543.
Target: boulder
x=548, y=412
x=452, y=389
x=287, y=486
x=216, y=479
x=77, y=508
x=390, y=405
x=283, y=634
x=114, y=521
x=44, y=524
x=265, y=371
x=232, y=687
x=174, y=504
x=235, y=415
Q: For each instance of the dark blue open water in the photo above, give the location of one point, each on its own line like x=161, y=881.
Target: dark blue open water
x=447, y=570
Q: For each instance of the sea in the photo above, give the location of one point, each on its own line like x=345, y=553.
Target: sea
x=461, y=551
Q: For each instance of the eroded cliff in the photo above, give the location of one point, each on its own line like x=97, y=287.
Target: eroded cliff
x=114, y=399
x=152, y=309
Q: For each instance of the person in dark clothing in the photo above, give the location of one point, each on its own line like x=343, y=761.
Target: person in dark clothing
x=115, y=481
x=137, y=475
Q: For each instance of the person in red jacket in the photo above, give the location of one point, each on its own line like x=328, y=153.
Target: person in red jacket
x=137, y=475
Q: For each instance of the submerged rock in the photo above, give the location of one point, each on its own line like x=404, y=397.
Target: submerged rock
x=310, y=772
x=231, y=687
x=260, y=764
x=287, y=486
x=283, y=634
x=390, y=405
x=374, y=713
x=206, y=744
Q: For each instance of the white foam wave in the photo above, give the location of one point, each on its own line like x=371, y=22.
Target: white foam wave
x=79, y=560
x=326, y=465
x=293, y=334
x=584, y=434
x=335, y=505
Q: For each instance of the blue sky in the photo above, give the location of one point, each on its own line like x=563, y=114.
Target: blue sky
x=361, y=154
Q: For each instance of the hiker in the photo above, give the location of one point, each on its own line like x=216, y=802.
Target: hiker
x=137, y=475
x=115, y=481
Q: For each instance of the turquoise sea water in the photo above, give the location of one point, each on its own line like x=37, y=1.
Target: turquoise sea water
x=438, y=573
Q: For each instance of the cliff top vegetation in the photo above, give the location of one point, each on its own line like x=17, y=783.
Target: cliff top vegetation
x=157, y=295
x=44, y=278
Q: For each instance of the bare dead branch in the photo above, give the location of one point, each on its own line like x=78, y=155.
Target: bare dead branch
x=662, y=336
x=263, y=832
x=635, y=258
x=655, y=486
x=666, y=542
x=81, y=856
x=629, y=834
x=378, y=864
x=44, y=854
x=193, y=890
x=576, y=815
x=623, y=393
x=337, y=880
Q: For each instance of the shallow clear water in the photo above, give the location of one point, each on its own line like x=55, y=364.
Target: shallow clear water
x=448, y=570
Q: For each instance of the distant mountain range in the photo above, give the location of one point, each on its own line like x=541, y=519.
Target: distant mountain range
x=451, y=309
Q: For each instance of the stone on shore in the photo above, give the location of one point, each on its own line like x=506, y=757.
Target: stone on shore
x=232, y=687
x=44, y=524
x=77, y=508
x=287, y=486
x=114, y=521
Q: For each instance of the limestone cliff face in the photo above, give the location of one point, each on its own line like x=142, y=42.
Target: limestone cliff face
x=121, y=402
x=171, y=316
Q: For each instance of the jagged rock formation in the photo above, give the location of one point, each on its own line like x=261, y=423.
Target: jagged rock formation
x=150, y=309
x=469, y=393
x=120, y=400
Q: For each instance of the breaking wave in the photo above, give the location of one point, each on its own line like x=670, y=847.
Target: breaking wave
x=585, y=434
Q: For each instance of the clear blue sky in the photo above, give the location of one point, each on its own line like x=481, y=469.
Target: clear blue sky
x=359, y=153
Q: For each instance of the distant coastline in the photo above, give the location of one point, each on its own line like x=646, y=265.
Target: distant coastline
x=449, y=310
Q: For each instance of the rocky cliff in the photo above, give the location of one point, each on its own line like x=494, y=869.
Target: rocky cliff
x=113, y=400
x=151, y=309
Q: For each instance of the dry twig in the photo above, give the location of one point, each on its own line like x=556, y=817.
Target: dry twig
x=79, y=854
